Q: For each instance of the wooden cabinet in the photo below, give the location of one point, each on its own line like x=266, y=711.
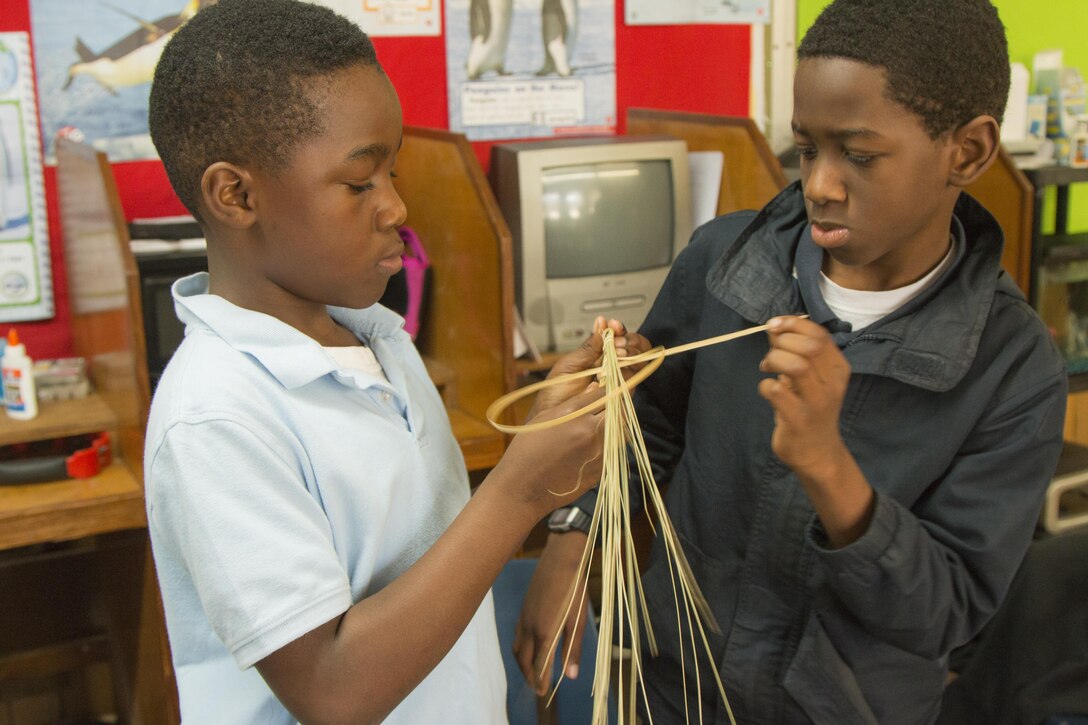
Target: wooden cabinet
x=75, y=561
x=77, y=575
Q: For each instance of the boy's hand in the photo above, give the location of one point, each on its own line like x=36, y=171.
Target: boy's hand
x=806, y=393
x=548, y=468
x=589, y=355
x=545, y=603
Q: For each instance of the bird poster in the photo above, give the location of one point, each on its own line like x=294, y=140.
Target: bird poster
x=530, y=68
x=26, y=287
x=95, y=61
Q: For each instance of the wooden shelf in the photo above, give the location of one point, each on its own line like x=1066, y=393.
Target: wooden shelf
x=54, y=659
x=57, y=419
x=71, y=509
x=1056, y=175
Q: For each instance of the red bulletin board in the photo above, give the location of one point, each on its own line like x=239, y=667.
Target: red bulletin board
x=699, y=68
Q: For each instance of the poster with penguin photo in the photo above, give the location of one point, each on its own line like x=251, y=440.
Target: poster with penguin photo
x=96, y=59
x=26, y=286
x=531, y=68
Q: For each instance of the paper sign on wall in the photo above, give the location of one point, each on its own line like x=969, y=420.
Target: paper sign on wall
x=683, y=12
x=391, y=17
x=529, y=68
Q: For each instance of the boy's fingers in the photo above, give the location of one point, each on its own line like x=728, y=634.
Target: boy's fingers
x=525, y=652
x=784, y=362
x=522, y=648
x=572, y=645
x=542, y=670
x=618, y=328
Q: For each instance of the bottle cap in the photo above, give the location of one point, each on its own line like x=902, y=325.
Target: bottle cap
x=13, y=345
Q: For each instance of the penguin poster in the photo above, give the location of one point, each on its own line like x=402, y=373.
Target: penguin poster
x=95, y=60
x=530, y=68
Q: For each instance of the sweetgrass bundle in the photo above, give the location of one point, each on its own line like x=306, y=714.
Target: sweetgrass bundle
x=624, y=617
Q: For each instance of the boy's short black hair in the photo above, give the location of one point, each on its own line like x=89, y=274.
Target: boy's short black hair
x=237, y=81
x=946, y=60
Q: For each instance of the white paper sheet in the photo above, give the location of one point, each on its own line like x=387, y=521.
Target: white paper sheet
x=706, y=184
x=683, y=12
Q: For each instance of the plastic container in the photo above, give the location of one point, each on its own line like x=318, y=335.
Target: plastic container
x=17, y=372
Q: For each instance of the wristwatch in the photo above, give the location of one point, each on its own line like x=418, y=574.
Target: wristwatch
x=569, y=518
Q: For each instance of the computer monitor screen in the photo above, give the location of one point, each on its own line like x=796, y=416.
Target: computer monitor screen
x=607, y=218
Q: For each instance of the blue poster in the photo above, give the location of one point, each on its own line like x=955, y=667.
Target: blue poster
x=95, y=61
x=526, y=68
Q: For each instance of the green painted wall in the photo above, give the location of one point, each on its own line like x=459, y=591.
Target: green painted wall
x=1064, y=24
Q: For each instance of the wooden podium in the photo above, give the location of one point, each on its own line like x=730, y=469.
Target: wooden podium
x=468, y=325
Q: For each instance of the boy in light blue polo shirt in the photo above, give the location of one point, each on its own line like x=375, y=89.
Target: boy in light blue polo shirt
x=319, y=556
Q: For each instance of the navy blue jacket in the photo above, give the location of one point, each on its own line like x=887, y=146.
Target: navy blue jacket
x=954, y=412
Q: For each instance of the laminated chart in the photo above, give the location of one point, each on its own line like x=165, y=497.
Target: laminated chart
x=26, y=285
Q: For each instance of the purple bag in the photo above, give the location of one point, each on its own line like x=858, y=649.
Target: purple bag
x=406, y=293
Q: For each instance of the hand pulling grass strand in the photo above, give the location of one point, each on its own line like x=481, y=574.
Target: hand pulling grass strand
x=653, y=359
x=621, y=584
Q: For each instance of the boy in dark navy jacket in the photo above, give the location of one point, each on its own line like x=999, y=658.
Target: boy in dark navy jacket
x=856, y=489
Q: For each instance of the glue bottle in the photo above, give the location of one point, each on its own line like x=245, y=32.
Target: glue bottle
x=17, y=371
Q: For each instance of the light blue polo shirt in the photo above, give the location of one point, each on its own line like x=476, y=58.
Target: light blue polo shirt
x=281, y=490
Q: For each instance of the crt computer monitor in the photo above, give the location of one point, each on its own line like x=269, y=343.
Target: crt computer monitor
x=596, y=224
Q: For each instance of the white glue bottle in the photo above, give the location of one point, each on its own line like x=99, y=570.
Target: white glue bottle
x=17, y=371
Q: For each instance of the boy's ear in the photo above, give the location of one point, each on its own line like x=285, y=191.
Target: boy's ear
x=976, y=146
x=225, y=189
